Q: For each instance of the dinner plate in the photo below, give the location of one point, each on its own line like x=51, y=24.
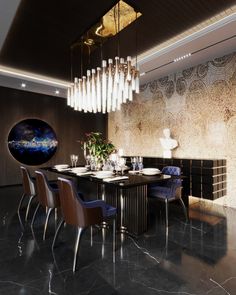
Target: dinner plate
x=79, y=169
x=61, y=166
x=151, y=171
x=103, y=174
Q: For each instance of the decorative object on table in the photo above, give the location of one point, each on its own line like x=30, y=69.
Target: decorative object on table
x=32, y=142
x=168, y=143
x=104, y=89
x=99, y=149
x=74, y=160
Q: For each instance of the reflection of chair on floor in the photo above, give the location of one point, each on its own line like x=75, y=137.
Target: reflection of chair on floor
x=29, y=191
x=48, y=197
x=170, y=191
x=81, y=214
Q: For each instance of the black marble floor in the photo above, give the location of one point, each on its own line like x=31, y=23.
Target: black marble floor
x=194, y=258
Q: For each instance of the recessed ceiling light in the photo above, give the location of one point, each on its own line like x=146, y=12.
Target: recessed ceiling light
x=57, y=92
x=182, y=57
x=23, y=85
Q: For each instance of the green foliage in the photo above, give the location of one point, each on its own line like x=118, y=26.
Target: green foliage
x=98, y=147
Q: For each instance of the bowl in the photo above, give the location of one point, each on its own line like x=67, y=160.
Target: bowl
x=151, y=171
x=103, y=174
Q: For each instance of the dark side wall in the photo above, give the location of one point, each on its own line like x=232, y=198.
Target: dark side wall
x=69, y=126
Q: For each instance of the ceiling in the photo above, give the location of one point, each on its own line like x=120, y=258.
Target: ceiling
x=41, y=33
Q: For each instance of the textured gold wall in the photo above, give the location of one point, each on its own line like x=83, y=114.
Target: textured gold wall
x=197, y=104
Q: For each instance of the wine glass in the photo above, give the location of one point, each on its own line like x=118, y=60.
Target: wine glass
x=76, y=157
x=140, y=163
x=122, y=163
x=134, y=161
x=88, y=160
x=72, y=159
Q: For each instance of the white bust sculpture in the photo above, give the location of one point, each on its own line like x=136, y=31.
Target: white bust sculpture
x=168, y=143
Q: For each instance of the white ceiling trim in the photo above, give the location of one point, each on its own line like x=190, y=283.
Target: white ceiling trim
x=155, y=52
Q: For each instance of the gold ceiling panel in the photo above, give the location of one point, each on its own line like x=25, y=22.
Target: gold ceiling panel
x=115, y=20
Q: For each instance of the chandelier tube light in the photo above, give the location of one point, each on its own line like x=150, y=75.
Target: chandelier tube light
x=106, y=88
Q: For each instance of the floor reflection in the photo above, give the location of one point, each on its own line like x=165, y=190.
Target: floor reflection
x=189, y=258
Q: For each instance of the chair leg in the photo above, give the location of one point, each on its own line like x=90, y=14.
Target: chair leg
x=114, y=240
x=28, y=207
x=184, y=208
x=46, y=222
x=91, y=235
x=35, y=212
x=57, y=232
x=79, y=232
x=167, y=213
x=20, y=203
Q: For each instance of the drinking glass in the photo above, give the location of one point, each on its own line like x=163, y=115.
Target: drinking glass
x=122, y=163
x=134, y=162
x=140, y=163
x=72, y=159
x=88, y=159
x=76, y=157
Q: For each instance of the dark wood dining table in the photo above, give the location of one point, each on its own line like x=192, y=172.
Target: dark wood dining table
x=129, y=196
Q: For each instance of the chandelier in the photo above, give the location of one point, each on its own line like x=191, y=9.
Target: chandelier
x=105, y=88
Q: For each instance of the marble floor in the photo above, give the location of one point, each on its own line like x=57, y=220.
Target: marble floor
x=194, y=258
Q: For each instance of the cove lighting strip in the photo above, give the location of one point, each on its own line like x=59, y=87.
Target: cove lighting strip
x=33, y=77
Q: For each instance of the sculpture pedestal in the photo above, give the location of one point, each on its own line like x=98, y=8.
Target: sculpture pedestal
x=167, y=154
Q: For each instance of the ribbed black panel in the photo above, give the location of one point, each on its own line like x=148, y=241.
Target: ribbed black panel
x=135, y=207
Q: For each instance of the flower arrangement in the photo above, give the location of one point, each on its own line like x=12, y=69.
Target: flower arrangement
x=97, y=146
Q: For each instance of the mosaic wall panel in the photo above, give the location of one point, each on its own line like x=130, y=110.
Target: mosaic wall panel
x=197, y=104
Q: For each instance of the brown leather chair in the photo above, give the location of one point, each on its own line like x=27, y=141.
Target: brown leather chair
x=48, y=197
x=29, y=191
x=81, y=214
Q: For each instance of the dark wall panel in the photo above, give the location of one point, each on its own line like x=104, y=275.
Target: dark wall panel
x=69, y=126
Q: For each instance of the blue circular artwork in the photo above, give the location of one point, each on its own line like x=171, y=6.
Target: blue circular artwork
x=32, y=142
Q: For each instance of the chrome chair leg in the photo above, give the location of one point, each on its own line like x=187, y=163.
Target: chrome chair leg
x=55, y=217
x=57, y=232
x=91, y=235
x=79, y=232
x=28, y=207
x=46, y=222
x=167, y=213
x=20, y=203
x=184, y=208
x=35, y=212
x=114, y=240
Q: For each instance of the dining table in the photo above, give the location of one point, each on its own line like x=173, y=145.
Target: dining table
x=128, y=193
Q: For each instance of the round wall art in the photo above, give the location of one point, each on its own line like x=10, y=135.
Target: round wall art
x=32, y=142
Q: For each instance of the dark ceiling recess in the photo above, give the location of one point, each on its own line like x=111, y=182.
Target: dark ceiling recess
x=42, y=32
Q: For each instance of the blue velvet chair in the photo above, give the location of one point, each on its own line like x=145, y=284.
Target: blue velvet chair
x=170, y=191
x=81, y=214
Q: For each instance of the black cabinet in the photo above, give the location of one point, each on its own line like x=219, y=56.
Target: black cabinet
x=205, y=178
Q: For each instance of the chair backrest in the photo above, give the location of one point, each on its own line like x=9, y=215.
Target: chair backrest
x=47, y=196
x=176, y=183
x=72, y=208
x=171, y=170
x=28, y=185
